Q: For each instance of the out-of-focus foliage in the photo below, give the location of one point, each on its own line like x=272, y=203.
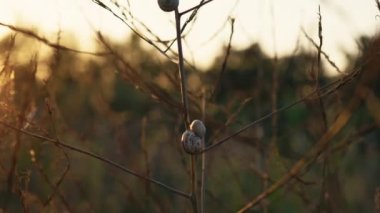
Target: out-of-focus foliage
x=127, y=107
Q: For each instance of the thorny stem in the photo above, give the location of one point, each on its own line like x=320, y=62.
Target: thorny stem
x=98, y=157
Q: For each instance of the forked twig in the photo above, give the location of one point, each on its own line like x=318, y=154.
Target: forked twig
x=327, y=57
x=150, y=42
x=195, y=11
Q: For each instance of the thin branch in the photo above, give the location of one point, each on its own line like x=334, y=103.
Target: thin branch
x=145, y=152
x=55, y=187
x=319, y=70
x=321, y=104
x=192, y=16
x=201, y=4
x=98, y=157
x=266, y=150
x=354, y=136
x=194, y=184
x=327, y=57
x=45, y=41
x=203, y=167
x=337, y=84
x=309, y=158
x=186, y=117
x=377, y=4
x=182, y=73
x=224, y=64
x=150, y=42
x=360, y=94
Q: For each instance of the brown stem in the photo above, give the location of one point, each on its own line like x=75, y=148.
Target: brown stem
x=182, y=70
x=98, y=157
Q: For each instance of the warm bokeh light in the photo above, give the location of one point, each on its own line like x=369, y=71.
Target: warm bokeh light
x=93, y=117
x=275, y=24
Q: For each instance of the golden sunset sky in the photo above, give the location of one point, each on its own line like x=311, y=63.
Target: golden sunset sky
x=275, y=24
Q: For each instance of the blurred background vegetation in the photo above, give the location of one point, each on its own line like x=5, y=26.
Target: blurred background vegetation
x=126, y=106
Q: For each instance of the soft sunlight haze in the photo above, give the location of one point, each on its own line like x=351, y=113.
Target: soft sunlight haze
x=275, y=24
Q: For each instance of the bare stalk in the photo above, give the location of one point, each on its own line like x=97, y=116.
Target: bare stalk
x=193, y=184
x=203, y=169
x=182, y=70
x=186, y=117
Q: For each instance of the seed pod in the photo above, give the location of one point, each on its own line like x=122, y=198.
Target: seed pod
x=198, y=128
x=191, y=143
x=168, y=5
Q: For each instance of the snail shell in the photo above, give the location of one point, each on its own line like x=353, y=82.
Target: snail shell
x=191, y=143
x=198, y=128
x=168, y=5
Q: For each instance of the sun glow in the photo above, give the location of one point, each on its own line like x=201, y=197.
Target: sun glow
x=275, y=24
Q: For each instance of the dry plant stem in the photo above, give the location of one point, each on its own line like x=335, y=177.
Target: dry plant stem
x=98, y=157
x=203, y=169
x=272, y=149
x=49, y=43
x=54, y=187
x=224, y=65
x=335, y=85
x=378, y=4
x=317, y=149
x=12, y=170
x=150, y=42
x=321, y=104
x=181, y=68
x=145, y=151
x=195, y=11
x=319, y=71
x=355, y=136
x=193, y=184
x=186, y=117
x=195, y=7
x=327, y=57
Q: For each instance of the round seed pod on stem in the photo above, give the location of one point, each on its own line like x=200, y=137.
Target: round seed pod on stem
x=198, y=128
x=191, y=143
x=168, y=5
